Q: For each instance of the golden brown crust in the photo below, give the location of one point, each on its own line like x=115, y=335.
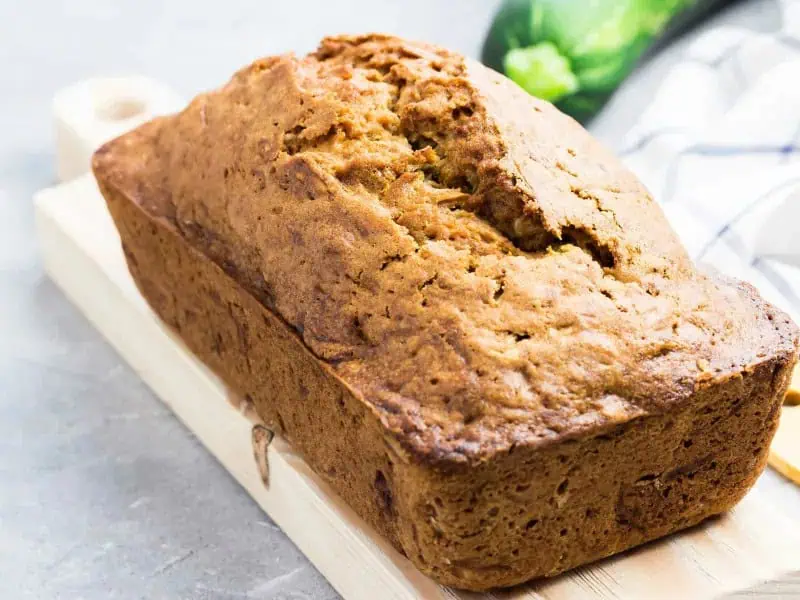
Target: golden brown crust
x=526, y=512
x=385, y=236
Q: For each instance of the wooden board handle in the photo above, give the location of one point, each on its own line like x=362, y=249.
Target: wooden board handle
x=91, y=112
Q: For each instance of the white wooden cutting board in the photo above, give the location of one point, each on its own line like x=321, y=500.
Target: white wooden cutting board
x=751, y=552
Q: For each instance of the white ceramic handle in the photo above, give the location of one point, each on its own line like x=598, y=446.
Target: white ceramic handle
x=91, y=112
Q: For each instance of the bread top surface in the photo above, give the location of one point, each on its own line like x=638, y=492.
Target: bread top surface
x=467, y=259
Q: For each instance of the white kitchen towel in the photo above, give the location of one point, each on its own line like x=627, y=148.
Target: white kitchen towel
x=719, y=147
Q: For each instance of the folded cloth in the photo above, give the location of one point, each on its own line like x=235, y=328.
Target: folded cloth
x=719, y=147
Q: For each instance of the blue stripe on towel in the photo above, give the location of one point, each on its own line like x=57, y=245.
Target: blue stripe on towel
x=784, y=150
x=646, y=139
x=750, y=206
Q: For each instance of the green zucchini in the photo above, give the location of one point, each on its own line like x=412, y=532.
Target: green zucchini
x=575, y=53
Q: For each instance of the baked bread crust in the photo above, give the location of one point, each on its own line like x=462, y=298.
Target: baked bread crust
x=462, y=311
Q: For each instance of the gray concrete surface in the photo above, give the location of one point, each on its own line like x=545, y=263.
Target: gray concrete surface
x=103, y=494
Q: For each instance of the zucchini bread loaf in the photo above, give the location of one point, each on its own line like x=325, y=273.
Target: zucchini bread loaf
x=466, y=315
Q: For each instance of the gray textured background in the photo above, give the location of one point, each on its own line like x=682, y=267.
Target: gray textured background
x=103, y=494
